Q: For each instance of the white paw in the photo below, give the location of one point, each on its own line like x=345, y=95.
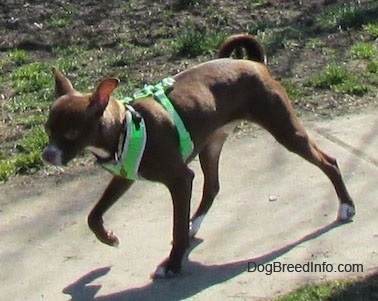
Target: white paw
x=346, y=212
x=194, y=225
x=159, y=273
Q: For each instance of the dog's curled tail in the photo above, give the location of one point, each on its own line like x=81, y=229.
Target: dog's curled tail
x=238, y=42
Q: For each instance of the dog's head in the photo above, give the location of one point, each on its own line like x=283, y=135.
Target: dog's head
x=74, y=118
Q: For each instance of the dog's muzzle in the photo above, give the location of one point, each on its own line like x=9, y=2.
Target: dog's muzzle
x=52, y=155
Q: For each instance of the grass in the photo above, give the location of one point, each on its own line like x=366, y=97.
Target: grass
x=337, y=78
x=361, y=289
x=293, y=89
x=340, y=78
x=344, y=16
x=29, y=83
x=362, y=50
x=18, y=56
x=60, y=22
x=27, y=158
x=31, y=77
x=194, y=40
x=258, y=3
x=372, y=67
x=181, y=4
x=371, y=29
x=31, y=87
x=315, y=292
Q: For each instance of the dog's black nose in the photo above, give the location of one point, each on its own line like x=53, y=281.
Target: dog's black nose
x=48, y=156
x=52, y=155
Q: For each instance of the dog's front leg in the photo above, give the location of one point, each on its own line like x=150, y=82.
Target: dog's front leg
x=181, y=191
x=115, y=189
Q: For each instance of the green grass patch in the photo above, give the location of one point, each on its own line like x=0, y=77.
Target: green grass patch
x=132, y=55
x=334, y=74
x=29, y=121
x=118, y=60
x=60, y=22
x=353, y=87
x=68, y=64
x=362, y=50
x=258, y=3
x=31, y=78
x=183, y=4
x=29, y=102
x=7, y=169
x=293, y=89
x=28, y=163
x=337, y=78
x=339, y=290
x=20, y=164
x=194, y=40
x=345, y=16
x=261, y=25
x=371, y=29
x=18, y=56
x=28, y=159
x=315, y=292
x=284, y=37
x=34, y=141
x=315, y=43
x=31, y=85
x=372, y=66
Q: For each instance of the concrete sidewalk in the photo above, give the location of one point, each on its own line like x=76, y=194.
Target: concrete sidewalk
x=273, y=208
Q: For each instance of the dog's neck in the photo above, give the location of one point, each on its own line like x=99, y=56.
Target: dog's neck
x=111, y=125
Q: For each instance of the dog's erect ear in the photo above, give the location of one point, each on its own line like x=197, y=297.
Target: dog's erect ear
x=62, y=83
x=100, y=97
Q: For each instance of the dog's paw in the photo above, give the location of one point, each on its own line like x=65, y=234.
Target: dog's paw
x=194, y=225
x=162, y=273
x=109, y=238
x=346, y=213
x=165, y=271
x=192, y=230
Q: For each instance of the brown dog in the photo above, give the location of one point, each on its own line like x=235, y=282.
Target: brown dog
x=207, y=97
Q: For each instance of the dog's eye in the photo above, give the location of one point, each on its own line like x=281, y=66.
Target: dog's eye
x=71, y=134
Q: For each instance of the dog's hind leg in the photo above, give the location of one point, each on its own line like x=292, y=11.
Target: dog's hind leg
x=293, y=136
x=209, y=160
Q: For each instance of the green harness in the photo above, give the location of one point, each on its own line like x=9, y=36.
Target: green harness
x=131, y=149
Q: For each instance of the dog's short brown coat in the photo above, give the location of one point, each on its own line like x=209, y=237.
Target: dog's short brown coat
x=207, y=97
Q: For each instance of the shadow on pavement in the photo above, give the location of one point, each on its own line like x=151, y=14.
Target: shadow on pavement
x=195, y=278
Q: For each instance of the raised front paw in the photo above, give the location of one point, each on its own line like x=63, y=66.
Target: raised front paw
x=105, y=236
x=109, y=238
x=166, y=270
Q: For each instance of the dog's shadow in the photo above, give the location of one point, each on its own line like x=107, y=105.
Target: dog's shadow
x=195, y=278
